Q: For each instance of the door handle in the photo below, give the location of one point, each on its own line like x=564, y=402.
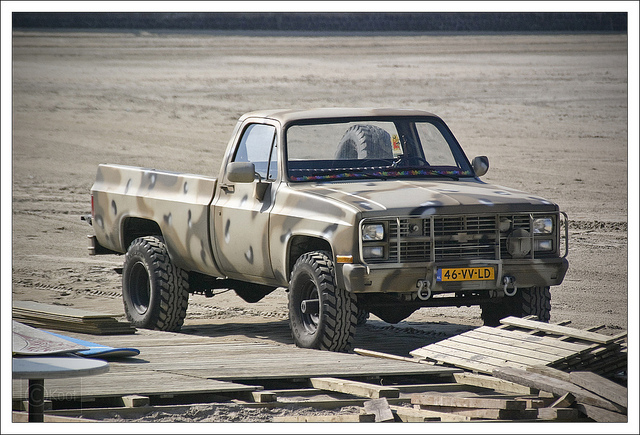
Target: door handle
x=228, y=188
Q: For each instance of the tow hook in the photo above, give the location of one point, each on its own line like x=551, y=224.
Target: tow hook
x=509, y=280
x=424, y=289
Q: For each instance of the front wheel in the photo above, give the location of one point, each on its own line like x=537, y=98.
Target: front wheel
x=527, y=301
x=155, y=292
x=321, y=315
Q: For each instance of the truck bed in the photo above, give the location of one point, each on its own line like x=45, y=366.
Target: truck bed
x=126, y=198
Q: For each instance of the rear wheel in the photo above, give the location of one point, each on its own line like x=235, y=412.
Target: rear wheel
x=155, y=292
x=362, y=316
x=527, y=301
x=321, y=315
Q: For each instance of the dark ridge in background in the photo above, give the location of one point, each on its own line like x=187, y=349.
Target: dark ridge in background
x=331, y=21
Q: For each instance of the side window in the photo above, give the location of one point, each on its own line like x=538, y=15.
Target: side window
x=258, y=147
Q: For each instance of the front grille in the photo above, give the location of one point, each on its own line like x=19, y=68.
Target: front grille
x=438, y=238
x=464, y=237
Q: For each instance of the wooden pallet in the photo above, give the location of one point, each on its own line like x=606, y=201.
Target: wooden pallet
x=64, y=318
x=522, y=343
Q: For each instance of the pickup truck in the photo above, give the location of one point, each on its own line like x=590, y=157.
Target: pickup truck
x=353, y=211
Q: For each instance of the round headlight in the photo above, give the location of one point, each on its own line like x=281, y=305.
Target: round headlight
x=505, y=225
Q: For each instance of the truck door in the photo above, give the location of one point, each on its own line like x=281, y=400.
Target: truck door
x=241, y=220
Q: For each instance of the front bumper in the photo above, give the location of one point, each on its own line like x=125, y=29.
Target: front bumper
x=408, y=278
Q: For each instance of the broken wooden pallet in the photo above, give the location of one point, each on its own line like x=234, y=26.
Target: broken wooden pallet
x=528, y=343
x=63, y=318
x=596, y=397
x=471, y=398
x=428, y=406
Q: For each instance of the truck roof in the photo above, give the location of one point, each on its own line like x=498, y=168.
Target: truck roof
x=285, y=116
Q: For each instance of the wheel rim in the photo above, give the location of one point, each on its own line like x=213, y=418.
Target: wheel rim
x=310, y=320
x=139, y=287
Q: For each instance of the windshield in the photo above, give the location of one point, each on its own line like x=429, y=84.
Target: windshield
x=399, y=148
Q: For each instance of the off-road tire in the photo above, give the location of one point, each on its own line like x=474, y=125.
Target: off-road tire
x=155, y=292
x=527, y=301
x=362, y=316
x=333, y=327
x=365, y=142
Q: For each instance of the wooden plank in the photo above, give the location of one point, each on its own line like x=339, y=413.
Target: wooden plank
x=482, y=413
x=481, y=363
x=561, y=330
x=466, y=402
x=522, y=342
x=564, y=401
x=549, y=371
x=320, y=403
x=68, y=319
x=544, y=343
x=556, y=386
x=264, y=396
x=142, y=382
x=510, y=351
x=454, y=360
x=447, y=387
x=296, y=392
x=601, y=415
x=379, y=408
x=475, y=346
x=361, y=389
x=492, y=383
x=601, y=386
x=23, y=417
x=559, y=414
x=332, y=418
x=58, y=310
x=373, y=353
x=532, y=402
x=413, y=415
x=135, y=400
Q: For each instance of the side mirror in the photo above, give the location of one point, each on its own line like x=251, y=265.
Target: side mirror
x=241, y=172
x=480, y=165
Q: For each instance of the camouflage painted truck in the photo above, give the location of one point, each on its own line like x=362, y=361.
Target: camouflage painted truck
x=353, y=211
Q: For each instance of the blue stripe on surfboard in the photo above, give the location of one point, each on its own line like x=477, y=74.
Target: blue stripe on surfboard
x=99, y=350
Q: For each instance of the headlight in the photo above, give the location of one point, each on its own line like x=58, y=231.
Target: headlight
x=543, y=225
x=371, y=232
x=543, y=245
x=373, y=252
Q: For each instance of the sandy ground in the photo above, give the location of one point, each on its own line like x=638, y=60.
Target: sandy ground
x=550, y=112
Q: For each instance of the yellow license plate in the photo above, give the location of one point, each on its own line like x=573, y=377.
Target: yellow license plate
x=466, y=274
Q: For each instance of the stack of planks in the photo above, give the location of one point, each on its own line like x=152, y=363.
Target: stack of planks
x=64, y=318
x=451, y=408
x=594, y=396
x=509, y=395
x=522, y=343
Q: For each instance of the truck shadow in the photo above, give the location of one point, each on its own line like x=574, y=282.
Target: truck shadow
x=375, y=335
x=400, y=339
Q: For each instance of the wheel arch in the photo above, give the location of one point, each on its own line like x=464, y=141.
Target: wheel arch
x=134, y=227
x=300, y=244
